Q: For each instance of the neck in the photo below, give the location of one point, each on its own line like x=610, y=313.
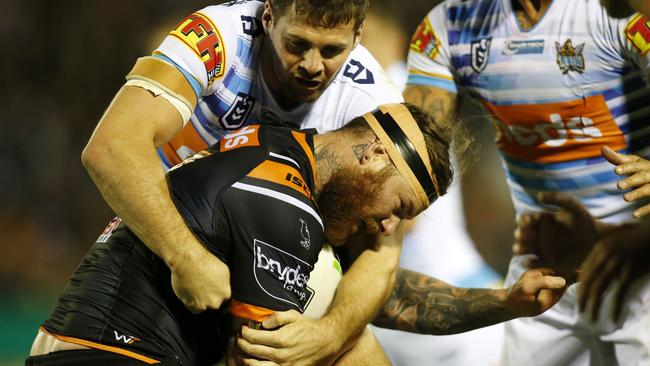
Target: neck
x=267, y=61
x=332, y=152
x=529, y=12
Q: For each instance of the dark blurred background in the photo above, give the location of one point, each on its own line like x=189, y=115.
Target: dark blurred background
x=62, y=63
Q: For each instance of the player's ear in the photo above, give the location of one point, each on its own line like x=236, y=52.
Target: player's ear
x=357, y=34
x=267, y=17
x=374, y=151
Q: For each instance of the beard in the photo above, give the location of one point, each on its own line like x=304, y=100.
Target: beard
x=345, y=201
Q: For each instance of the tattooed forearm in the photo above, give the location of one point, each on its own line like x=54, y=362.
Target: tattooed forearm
x=439, y=103
x=421, y=304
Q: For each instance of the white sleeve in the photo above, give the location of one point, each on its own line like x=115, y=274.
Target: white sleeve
x=202, y=47
x=429, y=57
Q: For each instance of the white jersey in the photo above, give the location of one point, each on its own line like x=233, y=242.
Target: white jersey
x=558, y=92
x=218, y=49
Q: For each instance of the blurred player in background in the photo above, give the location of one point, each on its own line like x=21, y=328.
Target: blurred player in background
x=451, y=256
x=561, y=79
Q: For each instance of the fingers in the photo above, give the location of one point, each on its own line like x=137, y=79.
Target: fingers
x=257, y=349
x=615, y=157
x=619, y=296
x=254, y=362
x=280, y=318
x=561, y=200
x=260, y=337
x=526, y=234
x=637, y=179
x=534, y=280
x=641, y=212
x=600, y=284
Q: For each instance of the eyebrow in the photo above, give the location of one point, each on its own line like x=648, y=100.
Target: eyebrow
x=300, y=38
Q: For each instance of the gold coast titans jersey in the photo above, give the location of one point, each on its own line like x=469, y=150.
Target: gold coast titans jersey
x=557, y=92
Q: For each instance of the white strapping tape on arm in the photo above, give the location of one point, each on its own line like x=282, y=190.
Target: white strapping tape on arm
x=178, y=102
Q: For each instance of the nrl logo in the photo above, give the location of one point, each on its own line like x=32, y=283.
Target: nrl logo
x=480, y=50
x=570, y=58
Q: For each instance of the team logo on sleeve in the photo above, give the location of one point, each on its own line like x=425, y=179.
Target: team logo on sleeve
x=638, y=32
x=424, y=40
x=570, y=58
x=282, y=275
x=480, y=50
x=203, y=37
x=238, y=112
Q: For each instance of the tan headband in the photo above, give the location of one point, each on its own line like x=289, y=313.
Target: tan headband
x=406, y=125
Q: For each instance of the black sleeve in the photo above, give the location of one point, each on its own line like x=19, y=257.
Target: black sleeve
x=196, y=187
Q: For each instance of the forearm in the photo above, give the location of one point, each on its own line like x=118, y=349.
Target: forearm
x=425, y=305
x=126, y=169
x=362, y=291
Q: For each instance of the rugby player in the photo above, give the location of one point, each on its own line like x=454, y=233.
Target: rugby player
x=264, y=200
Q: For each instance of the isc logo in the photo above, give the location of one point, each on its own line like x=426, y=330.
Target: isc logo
x=246, y=136
x=298, y=182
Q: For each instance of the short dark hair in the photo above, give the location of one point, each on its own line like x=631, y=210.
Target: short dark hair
x=325, y=13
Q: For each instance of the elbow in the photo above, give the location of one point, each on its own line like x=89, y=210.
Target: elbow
x=96, y=157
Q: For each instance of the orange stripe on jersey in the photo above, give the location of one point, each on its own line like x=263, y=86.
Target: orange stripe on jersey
x=248, y=311
x=281, y=174
x=302, y=140
x=185, y=144
x=556, y=132
x=102, y=347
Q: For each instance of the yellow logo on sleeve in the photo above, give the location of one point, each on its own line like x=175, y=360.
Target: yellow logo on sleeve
x=203, y=37
x=638, y=32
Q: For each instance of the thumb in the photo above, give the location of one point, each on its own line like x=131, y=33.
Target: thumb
x=615, y=157
x=280, y=318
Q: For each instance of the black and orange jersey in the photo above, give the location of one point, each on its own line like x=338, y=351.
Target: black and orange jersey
x=249, y=200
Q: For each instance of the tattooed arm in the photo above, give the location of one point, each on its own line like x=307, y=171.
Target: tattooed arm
x=439, y=103
x=425, y=305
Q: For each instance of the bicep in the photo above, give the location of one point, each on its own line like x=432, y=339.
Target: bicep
x=137, y=112
x=439, y=103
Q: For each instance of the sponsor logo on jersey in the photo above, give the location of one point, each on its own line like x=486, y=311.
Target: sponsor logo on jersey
x=251, y=26
x=570, y=58
x=304, y=232
x=282, y=275
x=358, y=73
x=480, y=52
x=533, y=46
x=106, y=234
x=246, y=136
x=235, y=116
x=638, y=32
x=556, y=132
x=424, y=40
x=124, y=338
x=203, y=37
x=281, y=174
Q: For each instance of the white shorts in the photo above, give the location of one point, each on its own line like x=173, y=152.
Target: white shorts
x=564, y=336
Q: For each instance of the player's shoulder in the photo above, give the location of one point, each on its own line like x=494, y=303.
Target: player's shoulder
x=362, y=75
x=234, y=9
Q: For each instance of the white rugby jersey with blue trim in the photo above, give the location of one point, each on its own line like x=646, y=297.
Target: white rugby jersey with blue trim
x=222, y=65
x=558, y=92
